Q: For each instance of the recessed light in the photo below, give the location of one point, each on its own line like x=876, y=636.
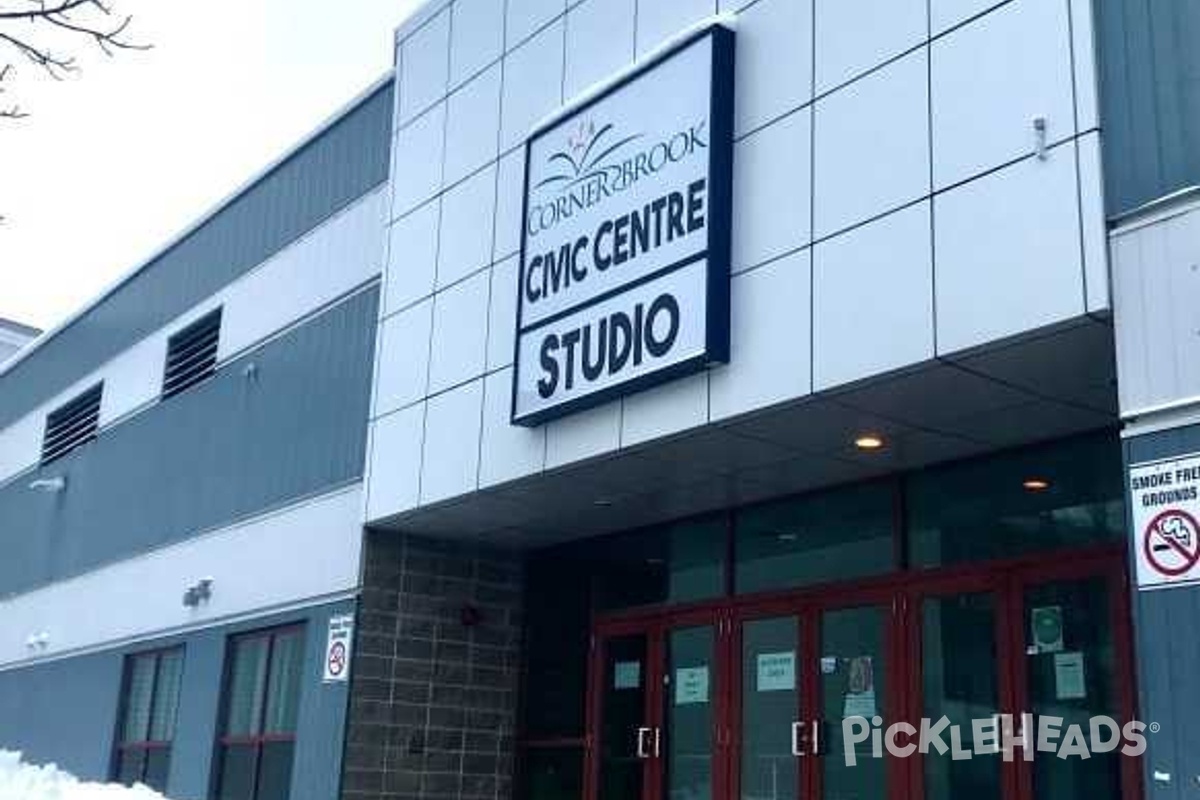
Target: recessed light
x=868, y=441
x=1035, y=484
x=786, y=537
x=602, y=502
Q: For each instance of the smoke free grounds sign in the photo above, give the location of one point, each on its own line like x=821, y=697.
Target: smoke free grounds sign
x=624, y=272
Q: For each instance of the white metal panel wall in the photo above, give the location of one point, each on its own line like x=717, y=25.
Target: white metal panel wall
x=308, y=551
x=1156, y=300
x=340, y=254
x=888, y=208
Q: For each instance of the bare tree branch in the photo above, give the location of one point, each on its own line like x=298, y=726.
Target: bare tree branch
x=26, y=29
x=8, y=111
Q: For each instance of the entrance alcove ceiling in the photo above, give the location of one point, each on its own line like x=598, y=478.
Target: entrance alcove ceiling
x=1052, y=383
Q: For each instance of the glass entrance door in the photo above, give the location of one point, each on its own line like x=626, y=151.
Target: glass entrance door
x=794, y=698
x=855, y=680
x=658, y=720
x=1031, y=645
x=626, y=740
x=1072, y=669
x=808, y=676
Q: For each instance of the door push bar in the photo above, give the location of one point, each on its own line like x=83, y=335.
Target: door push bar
x=808, y=732
x=642, y=750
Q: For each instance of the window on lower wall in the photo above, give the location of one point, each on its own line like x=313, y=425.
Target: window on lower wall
x=261, y=705
x=150, y=699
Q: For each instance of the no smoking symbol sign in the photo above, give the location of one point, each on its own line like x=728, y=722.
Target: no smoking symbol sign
x=1171, y=545
x=337, y=658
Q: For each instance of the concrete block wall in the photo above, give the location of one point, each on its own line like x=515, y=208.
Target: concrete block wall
x=434, y=692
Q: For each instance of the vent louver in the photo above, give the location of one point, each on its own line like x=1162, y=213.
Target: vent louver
x=192, y=354
x=72, y=425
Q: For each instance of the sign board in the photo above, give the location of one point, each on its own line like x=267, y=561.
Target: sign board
x=337, y=648
x=859, y=699
x=1164, y=499
x=691, y=685
x=1070, y=679
x=777, y=671
x=624, y=266
x=1046, y=630
x=627, y=675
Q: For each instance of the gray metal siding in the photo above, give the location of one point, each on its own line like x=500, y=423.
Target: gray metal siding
x=66, y=711
x=341, y=165
x=229, y=448
x=1150, y=98
x=1167, y=624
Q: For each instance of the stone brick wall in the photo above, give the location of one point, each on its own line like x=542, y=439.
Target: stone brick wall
x=433, y=696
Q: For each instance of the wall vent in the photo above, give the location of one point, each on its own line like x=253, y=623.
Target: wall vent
x=72, y=425
x=192, y=354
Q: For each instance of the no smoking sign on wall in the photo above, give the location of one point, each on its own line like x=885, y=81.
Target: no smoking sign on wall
x=1165, y=502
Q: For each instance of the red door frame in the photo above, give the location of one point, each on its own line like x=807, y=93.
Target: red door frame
x=902, y=592
x=656, y=626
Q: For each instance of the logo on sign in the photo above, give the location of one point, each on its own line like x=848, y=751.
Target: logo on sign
x=337, y=659
x=1171, y=544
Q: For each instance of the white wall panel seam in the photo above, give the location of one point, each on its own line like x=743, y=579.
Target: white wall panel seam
x=1083, y=259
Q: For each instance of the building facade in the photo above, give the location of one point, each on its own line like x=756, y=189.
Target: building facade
x=645, y=399
x=14, y=336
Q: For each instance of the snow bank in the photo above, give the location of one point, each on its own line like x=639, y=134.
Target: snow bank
x=21, y=781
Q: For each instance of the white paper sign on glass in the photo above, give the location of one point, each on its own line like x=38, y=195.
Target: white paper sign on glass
x=624, y=269
x=691, y=685
x=1070, y=678
x=627, y=675
x=777, y=671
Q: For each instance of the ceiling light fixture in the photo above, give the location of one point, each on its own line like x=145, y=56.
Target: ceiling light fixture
x=868, y=441
x=1035, y=484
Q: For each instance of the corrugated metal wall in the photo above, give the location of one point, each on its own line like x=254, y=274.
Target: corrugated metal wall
x=341, y=165
x=1150, y=98
x=1167, y=626
x=229, y=448
x=66, y=711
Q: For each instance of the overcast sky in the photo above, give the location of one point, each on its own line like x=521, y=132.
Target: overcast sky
x=112, y=164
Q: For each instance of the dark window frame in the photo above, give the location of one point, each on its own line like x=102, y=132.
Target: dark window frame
x=259, y=740
x=144, y=746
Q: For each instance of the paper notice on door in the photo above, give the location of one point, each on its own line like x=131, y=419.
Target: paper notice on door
x=1070, y=679
x=691, y=685
x=859, y=704
x=777, y=671
x=627, y=675
x=860, y=688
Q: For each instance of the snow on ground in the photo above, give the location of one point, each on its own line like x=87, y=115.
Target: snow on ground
x=21, y=781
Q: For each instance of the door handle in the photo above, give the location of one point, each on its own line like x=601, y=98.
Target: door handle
x=797, y=739
x=642, y=752
x=816, y=738
x=657, y=742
